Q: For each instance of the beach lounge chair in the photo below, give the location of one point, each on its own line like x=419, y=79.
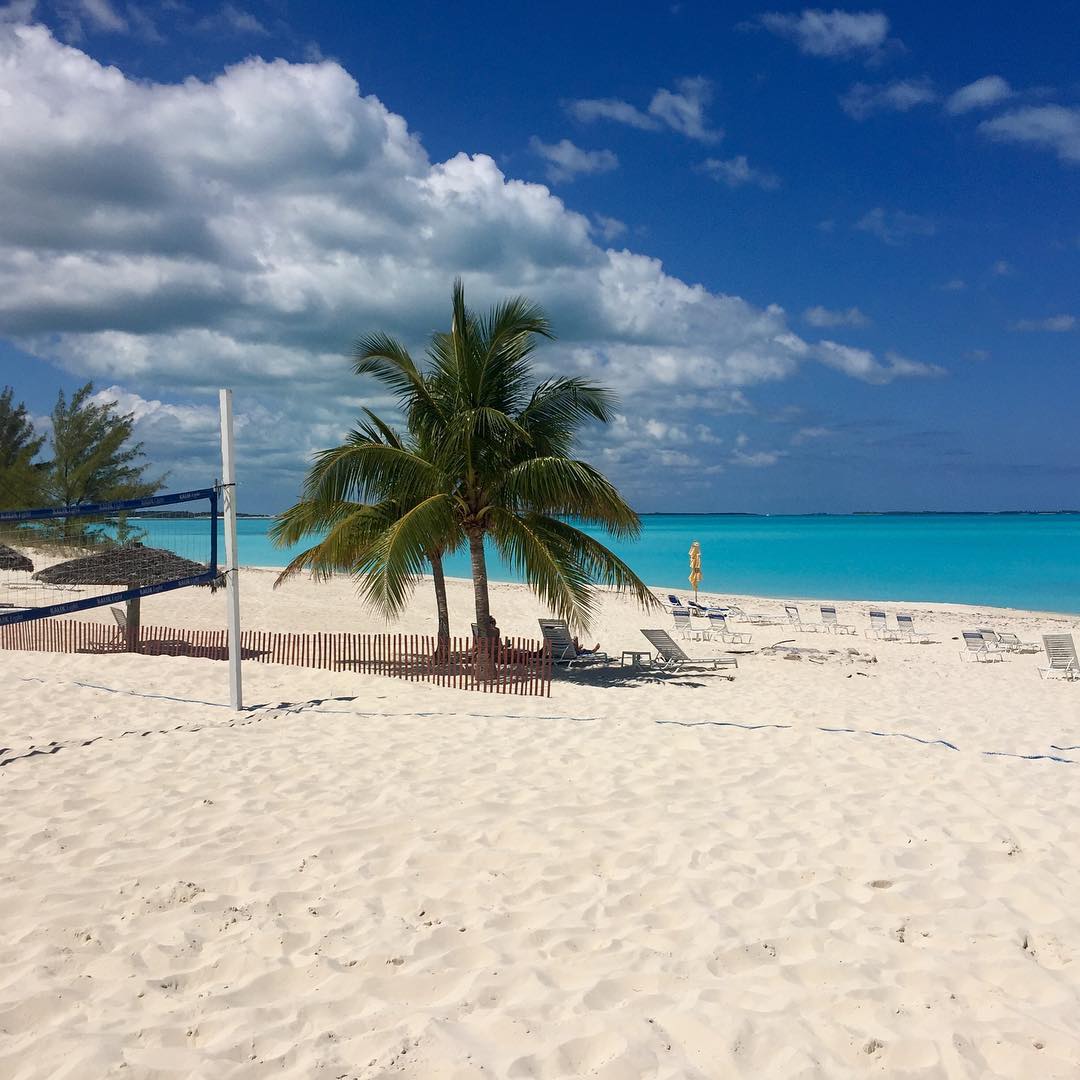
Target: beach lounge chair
x=1061, y=654
x=1011, y=643
x=669, y=657
x=795, y=619
x=828, y=620
x=563, y=649
x=674, y=601
x=880, y=629
x=906, y=625
x=685, y=627
x=993, y=642
x=762, y=620
x=119, y=641
x=719, y=628
x=976, y=647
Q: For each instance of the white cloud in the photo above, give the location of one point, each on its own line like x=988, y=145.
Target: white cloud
x=822, y=316
x=188, y=419
x=18, y=11
x=737, y=172
x=235, y=20
x=684, y=111
x=894, y=226
x=980, y=94
x=1053, y=127
x=863, y=99
x=1055, y=324
x=610, y=228
x=862, y=364
x=834, y=34
x=954, y=285
x=1001, y=268
x=567, y=162
x=809, y=434
x=169, y=238
x=588, y=110
x=681, y=110
x=102, y=14
x=756, y=459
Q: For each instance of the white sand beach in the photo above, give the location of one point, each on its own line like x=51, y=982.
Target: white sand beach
x=817, y=870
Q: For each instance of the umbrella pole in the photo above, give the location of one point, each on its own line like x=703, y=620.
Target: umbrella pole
x=132, y=623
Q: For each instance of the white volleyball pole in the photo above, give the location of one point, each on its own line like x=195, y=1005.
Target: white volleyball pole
x=232, y=564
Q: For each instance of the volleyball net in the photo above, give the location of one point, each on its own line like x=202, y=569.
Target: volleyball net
x=60, y=560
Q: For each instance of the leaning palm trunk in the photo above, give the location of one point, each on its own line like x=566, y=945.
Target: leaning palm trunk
x=438, y=578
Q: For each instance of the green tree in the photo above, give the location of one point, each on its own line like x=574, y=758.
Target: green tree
x=20, y=476
x=93, y=457
x=497, y=464
x=363, y=538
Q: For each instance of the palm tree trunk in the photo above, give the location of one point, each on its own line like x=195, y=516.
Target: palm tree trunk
x=439, y=579
x=484, y=625
x=486, y=632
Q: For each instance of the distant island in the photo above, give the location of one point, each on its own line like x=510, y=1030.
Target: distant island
x=189, y=514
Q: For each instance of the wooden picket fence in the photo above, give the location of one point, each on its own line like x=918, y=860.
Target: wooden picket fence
x=512, y=666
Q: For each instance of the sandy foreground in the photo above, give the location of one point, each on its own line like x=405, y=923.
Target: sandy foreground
x=817, y=870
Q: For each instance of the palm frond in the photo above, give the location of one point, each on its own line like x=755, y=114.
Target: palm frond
x=368, y=471
x=307, y=517
x=565, y=486
x=564, y=404
x=546, y=561
x=601, y=565
x=507, y=338
x=390, y=568
x=375, y=429
x=387, y=360
x=352, y=532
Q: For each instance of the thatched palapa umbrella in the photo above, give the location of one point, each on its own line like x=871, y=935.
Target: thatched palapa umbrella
x=10, y=559
x=129, y=566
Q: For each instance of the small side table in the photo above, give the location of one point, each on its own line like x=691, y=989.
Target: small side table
x=636, y=658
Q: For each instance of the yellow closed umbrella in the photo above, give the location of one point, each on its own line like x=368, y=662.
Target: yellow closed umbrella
x=695, y=567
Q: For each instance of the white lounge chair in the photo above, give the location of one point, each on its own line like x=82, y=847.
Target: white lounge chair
x=762, y=620
x=905, y=624
x=976, y=647
x=993, y=642
x=671, y=658
x=719, y=628
x=685, y=627
x=563, y=649
x=829, y=621
x=1061, y=654
x=1011, y=643
x=880, y=629
x=795, y=619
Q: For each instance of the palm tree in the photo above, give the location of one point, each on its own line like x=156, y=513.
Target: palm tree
x=496, y=464
x=364, y=539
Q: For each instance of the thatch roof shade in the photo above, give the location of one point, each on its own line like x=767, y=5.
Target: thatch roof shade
x=125, y=566
x=10, y=559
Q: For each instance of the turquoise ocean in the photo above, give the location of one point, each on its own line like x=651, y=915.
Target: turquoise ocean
x=1007, y=560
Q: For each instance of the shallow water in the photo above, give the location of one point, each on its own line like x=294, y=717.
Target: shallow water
x=1015, y=560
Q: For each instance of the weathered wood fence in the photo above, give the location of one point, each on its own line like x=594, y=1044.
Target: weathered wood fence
x=512, y=666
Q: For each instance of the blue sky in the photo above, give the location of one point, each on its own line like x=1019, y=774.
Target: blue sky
x=828, y=257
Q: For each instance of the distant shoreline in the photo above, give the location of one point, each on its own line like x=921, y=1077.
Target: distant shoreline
x=713, y=513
